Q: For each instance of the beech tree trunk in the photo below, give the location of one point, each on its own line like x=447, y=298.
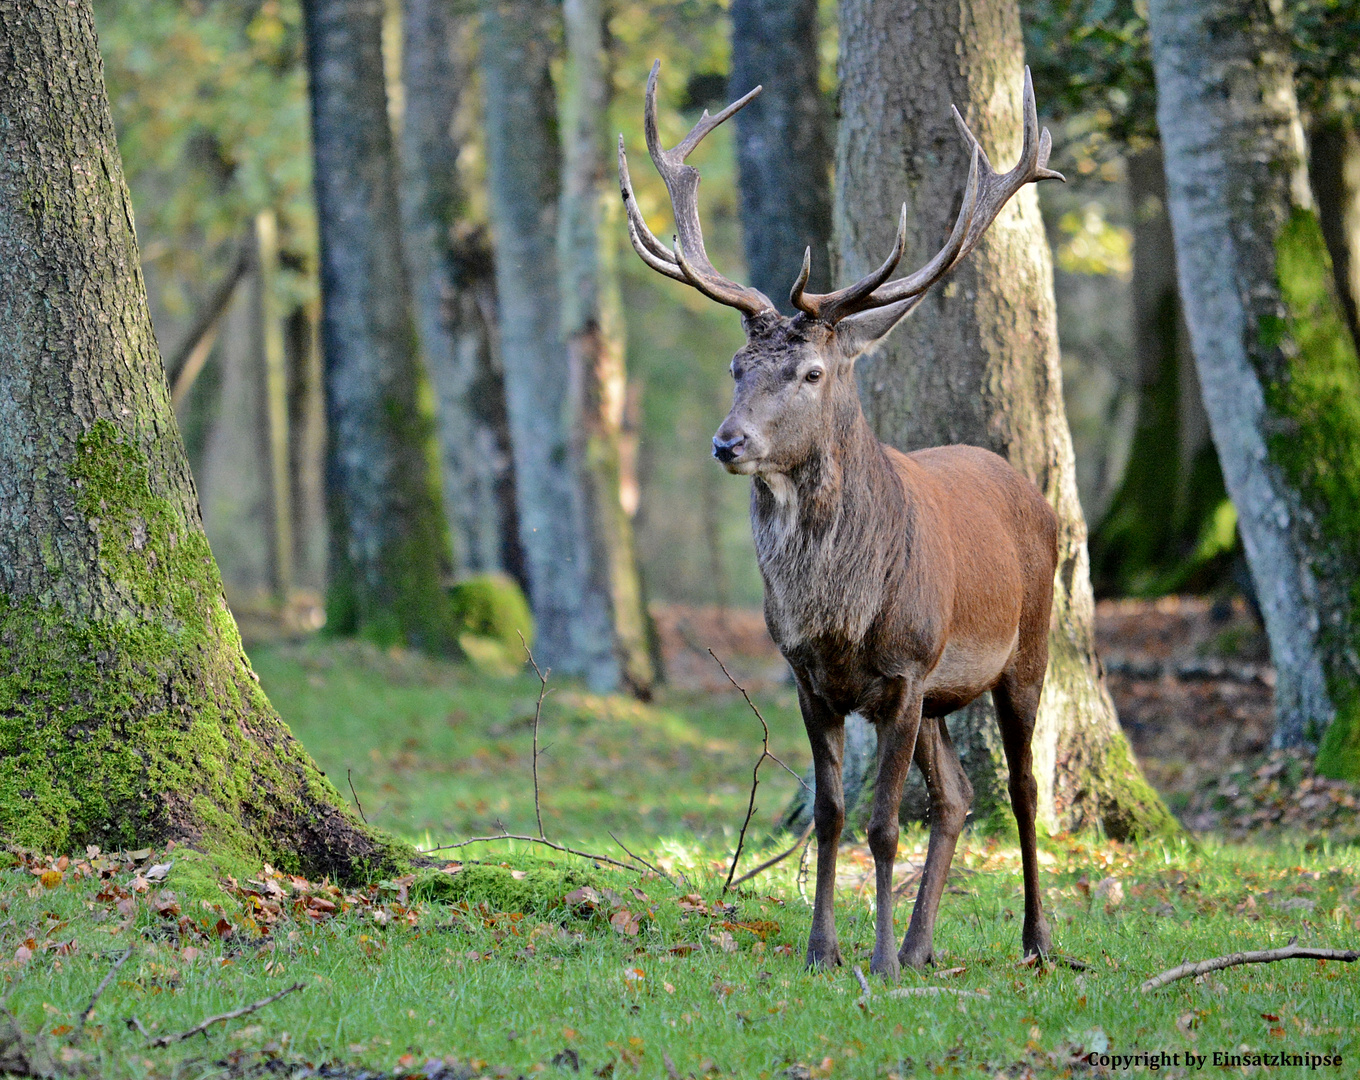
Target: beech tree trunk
x=454, y=290
x=1276, y=360
x=592, y=324
x=129, y=714
x=519, y=39
x=389, y=557
x=783, y=145
x=1334, y=172
x=978, y=363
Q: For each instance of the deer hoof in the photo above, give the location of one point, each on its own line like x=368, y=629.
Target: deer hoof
x=819, y=956
x=918, y=957
x=1037, y=939
x=887, y=966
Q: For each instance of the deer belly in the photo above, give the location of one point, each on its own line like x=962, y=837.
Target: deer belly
x=966, y=668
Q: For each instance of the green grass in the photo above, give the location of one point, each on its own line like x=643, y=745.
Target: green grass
x=393, y=979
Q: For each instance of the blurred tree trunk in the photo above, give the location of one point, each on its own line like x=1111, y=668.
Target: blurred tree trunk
x=128, y=712
x=978, y=363
x=1334, y=170
x=519, y=40
x=783, y=145
x=389, y=553
x=1155, y=537
x=1276, y=360
x=592, y=324
x=307, y=443
x=454, y=289
x=272, y=368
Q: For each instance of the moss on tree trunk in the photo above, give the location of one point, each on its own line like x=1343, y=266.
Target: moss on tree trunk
x=129, y=714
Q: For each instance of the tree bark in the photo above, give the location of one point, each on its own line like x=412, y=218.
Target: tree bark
x=1276, y=361
x=592, y=325
x=454, y=289
x=389, y=556
x=1334, y=171
x=783, y=145
x=978, y=363
x=128, y=711
x=519, y=38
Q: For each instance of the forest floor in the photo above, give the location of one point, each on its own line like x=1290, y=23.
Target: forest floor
x=511, y=960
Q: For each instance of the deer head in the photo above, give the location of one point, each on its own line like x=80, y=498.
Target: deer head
x=795, y=379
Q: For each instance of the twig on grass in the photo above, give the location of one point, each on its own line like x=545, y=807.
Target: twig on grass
x=755, y=773
x=357, y=803
x=654, y=869
x=801, y=879
x=533, y=840
x=1262, y=956
x=255, y=1006
x=777, y=859
x=99, y=990
x=863, y=985
x=538, y=712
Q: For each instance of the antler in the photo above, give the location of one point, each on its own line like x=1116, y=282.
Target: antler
x=688, y=261
x=984, y=195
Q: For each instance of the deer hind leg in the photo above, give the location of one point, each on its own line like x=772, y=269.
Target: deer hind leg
x=896, y=740
x=826, y=732
x=951, y=795
x=1016, y=708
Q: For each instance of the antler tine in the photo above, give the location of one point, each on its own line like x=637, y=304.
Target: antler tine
x=689, y=261
x=987, y=192
x=828, y=307
x=651, y=250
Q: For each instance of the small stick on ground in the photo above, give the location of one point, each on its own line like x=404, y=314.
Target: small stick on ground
x=533, y=840
x=166, y=1040
x=654, y=869
x=777, y=859
x=863, y=985
x=538, y=712
x=357, y=803
x=755, y=773
x=99, y=990
x=1263, y=956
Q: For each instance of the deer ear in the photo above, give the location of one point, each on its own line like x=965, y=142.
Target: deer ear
x=859, y=332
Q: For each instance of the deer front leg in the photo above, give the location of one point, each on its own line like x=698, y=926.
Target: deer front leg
x=896, y=743
x=826, y=732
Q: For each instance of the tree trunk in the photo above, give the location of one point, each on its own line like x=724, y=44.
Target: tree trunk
x=1149, y=542
x=307, y=444
x=1334, y=170
x=978, y=363
x=518, y=43
x=592, y=324
x=128, y=712
x=1276, y=361
x=273, y=413
x=454, y=289
x=783, y=145
x=389, y=553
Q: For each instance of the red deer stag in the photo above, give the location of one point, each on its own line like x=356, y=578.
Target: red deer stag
x=901, y=586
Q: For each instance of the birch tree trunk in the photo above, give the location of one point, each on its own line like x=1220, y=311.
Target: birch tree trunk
x=454, y=290
x=389, y=557
x=592, y=324
x=1276, y=361
x=978, y=363
x=783, y=145
x=129, y=714
x=519, y=39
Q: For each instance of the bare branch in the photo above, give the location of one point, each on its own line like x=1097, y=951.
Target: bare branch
x=357, y=803
x=538, y=712
x=654, y=869
x=532, y=840
x=1263, y=956
x=99, y=990
x=188, y=360
x=777, y=859
x=235, y=1014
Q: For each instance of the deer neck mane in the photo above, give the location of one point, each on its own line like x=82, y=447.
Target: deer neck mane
x=824, y=536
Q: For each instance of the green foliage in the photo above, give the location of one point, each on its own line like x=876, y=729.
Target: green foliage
x=1316, y=397
x=537, y=890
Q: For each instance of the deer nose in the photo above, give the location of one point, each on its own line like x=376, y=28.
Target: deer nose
x=728, y=450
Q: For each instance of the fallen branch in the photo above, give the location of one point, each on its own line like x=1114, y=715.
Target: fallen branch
x=868, y=995
x=654, y=869
x=99, y=990
x=532, y=840
x=1263, y=956
x=755, y=773
x=235, y=1014
x=777, y=859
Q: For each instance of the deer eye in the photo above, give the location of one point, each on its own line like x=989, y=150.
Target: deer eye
x=813, y=375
